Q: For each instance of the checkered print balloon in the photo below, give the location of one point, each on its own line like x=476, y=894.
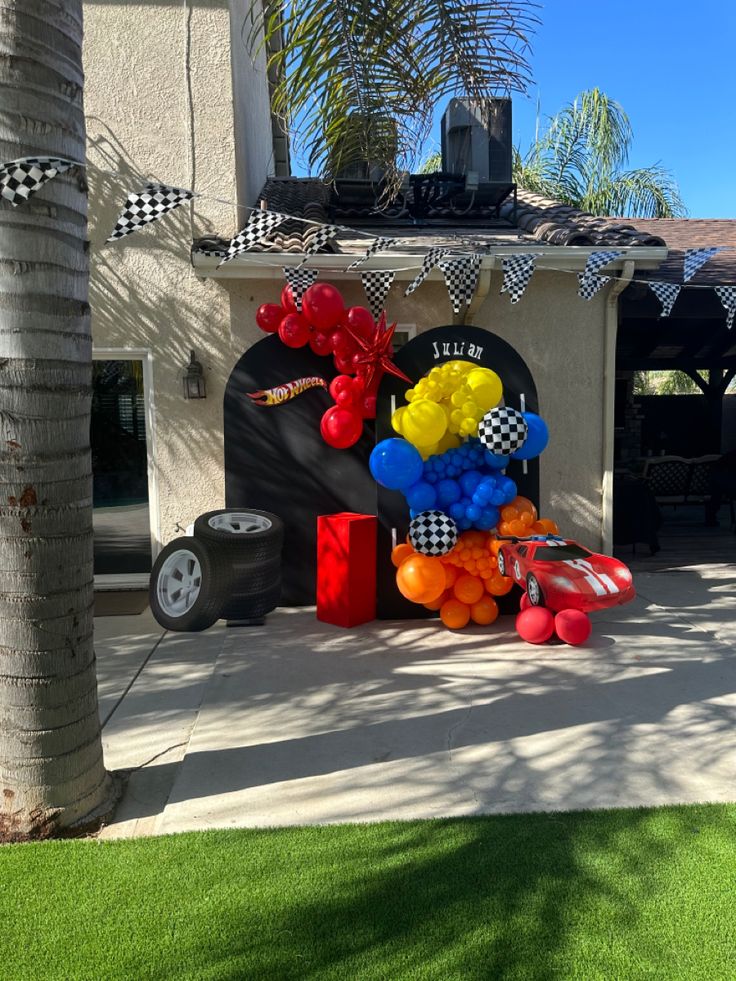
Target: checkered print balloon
x=502, y=430
x=433, y=533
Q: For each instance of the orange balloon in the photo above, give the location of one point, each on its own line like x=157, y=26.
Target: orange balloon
x=436, y=604
x=524, y=506
x=468, y=589
x=485, y=573
x=474, y=538
x=499, y=585
x=538, y=528
x=400, y=553
x=455, y=614
x=484, y=611
x=509, y=513
x=421, y=578
x=451, y=575
x=517, y=528
x=550, y=527
x=495, y=545
x=527, y=519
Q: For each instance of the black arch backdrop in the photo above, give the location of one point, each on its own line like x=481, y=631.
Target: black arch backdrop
x=276, y=460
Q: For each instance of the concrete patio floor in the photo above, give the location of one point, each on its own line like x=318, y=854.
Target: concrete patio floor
x=298, y=722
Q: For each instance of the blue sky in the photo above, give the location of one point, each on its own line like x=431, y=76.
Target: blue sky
x=671, y=65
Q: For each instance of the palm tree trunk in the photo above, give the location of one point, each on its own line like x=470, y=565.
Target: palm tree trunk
x=52, y=774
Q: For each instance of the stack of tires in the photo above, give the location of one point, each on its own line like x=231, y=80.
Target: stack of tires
x=230, y=568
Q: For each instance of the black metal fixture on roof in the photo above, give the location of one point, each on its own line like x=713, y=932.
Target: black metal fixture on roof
x=193, y=379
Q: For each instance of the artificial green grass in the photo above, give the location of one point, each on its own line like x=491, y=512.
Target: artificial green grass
x=609, y=894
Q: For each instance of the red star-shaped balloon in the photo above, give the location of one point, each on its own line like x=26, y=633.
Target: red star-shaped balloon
x=373, y=357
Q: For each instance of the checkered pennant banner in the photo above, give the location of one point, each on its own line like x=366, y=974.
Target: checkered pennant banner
x=666, y=293
x=376, y=283
x=430, y=259
x=300, y=280
x=694, y=259
x=727, y=296
x=143, y=207
x=21, y=178
x=461, y=278
x=517, y=271
x=589, y=280
x=321, y=237
x=259, y=227
x=377, y=245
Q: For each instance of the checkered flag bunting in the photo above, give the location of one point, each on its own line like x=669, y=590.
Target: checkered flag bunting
x=694, y=259
x=21, y=178
x=589, y=280
x=259, y=227
x=377, y=283
x=461, y=278
x=143, y=207
x=377, y=245
x=321, y=237
x=300, y=280
x=431, y=259
x=727, y=296
x=502, y=430
x=433, y=533
x=666, y=293
x=517, y=271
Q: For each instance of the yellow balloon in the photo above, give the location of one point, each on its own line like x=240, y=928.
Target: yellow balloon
x=425, y=452
x=424, y=423
x=396, y=419
x=485, y=388
x=450, y=441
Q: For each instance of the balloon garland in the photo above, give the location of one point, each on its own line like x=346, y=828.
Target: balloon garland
x=361, y=349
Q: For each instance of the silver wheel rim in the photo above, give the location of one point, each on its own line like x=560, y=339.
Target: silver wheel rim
x=532, y=588
x=501, y=564
x=179, y=582
x=239, y=522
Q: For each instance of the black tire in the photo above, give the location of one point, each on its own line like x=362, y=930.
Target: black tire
x=251, y=578
x=213, y=586
x=252, y=607
x=257, y=545
x=534, y=590
x=501, y=562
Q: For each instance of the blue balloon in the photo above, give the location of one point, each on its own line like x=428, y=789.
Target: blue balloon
x=464, y=524
x=469, y=481
x=508, y=488
x=457, y=510
x=489, y=518
x=396, y=464
x=494, y=461
x=448, y=491
x=421, y=496
x=472, y=512
x=498, y=497
x=536, y=440
x=431, y=478
x=484, y=491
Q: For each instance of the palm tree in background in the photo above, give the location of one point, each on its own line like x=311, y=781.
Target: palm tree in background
x=358, y=80
x=581, y=160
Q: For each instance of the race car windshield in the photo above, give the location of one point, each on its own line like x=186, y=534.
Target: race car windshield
x=558, y=553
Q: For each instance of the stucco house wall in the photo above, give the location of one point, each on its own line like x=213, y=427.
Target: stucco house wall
x=160, y=105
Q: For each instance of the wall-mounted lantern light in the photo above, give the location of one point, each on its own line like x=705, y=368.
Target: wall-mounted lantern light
x=193, y=378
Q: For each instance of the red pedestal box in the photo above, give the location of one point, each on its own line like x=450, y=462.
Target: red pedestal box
x=346, y=569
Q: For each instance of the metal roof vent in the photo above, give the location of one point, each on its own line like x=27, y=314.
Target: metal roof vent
x=476, y=139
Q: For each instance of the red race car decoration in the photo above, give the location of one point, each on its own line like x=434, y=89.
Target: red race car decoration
x=562, y=575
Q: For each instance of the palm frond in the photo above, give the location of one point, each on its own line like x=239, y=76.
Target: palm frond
x=359, y=79
x=648, y=192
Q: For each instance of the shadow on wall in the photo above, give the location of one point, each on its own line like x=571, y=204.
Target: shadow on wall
x=144, y=294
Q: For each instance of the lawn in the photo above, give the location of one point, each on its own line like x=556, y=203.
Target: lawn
x=611, y=894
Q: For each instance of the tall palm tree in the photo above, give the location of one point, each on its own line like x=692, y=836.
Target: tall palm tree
x=581, y=158
x=359, y=79
x=52, y=774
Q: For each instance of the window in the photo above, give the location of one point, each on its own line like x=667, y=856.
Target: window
x=558, y=553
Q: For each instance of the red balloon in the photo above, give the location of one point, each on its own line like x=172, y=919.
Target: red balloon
x=573, y=626
x=360, y=321
x=269, y=316
x=342, y=343
x=369, y=407
x=341, y=383
x=320, y=343
x=294, y=330
x=344, y=365
x=287, y=300
x=341, y=427
x=323, y=306
x=525, y=603
x=535, y=625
